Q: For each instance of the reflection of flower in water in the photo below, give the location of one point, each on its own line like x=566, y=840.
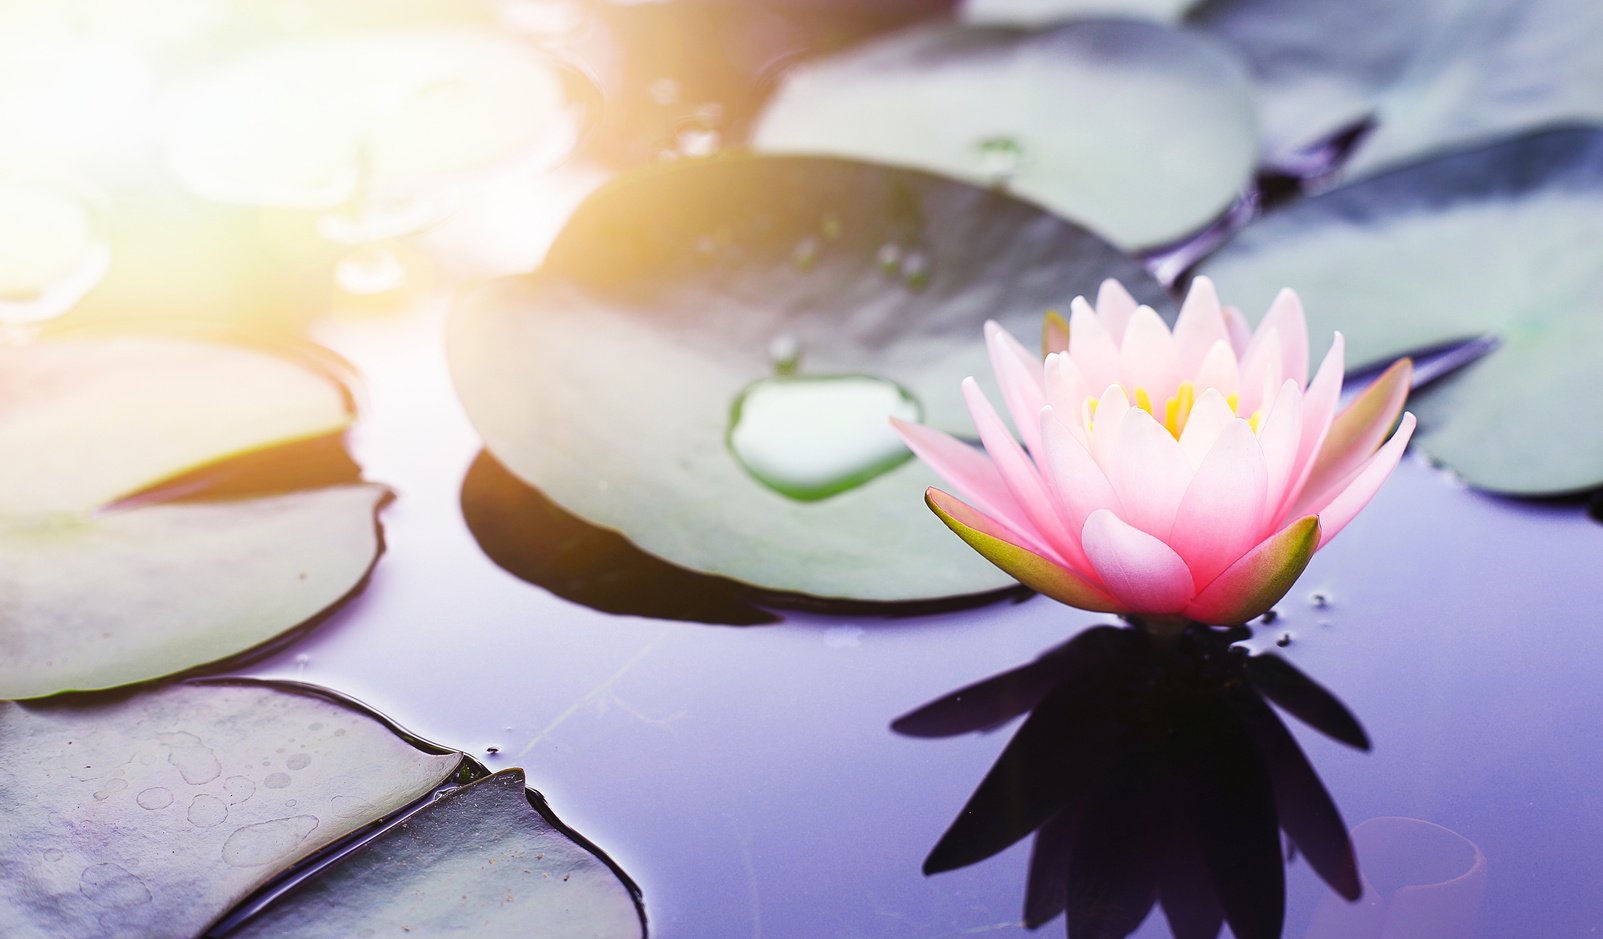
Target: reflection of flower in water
x=1187, y=473
x=1153, y=772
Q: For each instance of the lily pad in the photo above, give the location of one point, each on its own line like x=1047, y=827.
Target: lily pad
x=374, y=117
x=1138, y=131
x=484, y=860
x=607, y=378
x=152, y=815
x=1500, y=240
x=97, y=590
x=1435, y=75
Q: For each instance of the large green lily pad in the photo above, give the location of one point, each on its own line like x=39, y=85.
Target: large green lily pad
x=607, y=378
x=1435, y=74
x=480, y=861
x=97, y=591
x=153, y=815
x=1501, y=240
x=1140, y=132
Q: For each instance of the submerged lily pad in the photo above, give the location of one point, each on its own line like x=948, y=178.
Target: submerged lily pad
x=484, y=860
x=1140, y=132
x=152, y=815
x=1501, y=240
x=607, y=378
x=1435, y=74
x=98, y=591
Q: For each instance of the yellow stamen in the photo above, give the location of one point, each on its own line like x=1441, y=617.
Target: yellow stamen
x=1253, y=420
x=1177, y=411
x=1234, y=400
x=1143, y=400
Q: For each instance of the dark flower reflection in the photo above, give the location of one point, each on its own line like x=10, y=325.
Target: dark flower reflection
x=1153, y=771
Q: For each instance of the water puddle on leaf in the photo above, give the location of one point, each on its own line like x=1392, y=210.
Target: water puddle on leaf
x=812, y=437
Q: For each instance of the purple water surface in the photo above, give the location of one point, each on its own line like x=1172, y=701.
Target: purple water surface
x=747, y=779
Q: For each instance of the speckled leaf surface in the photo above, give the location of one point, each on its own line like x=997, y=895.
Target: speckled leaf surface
x=607, y=379
x=1500, y=240
x=479, y=861
x=153, y=815
x=1435, y=75
x=96, y=592
x=1138, y=131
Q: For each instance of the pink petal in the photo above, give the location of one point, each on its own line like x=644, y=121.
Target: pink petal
x=1318, y=407
x=1219, y=369
x=1209, y=417
x=1141, y=572
x=1078, y=485
x=1263, y=575
x=1032, y=570
x=1149, y=473
x=1114, y=306
x=1335, y=515
x=1361, y=426
x=1285, y=319
x=967, y=469
x=1280, y=434
x=1111, y=408
x=1018, y=473
x=1018, y=373
x=1261, y=371
x=1066, y=392
x=1200, y=326
x=1220, y=515
x=1093, y=349
x=1240, y=332
x=1147, y=355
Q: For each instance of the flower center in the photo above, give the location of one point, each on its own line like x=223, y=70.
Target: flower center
x=1176, y=410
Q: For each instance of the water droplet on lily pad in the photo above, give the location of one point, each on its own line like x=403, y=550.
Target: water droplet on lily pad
x=811, y=438
x=1000, y=158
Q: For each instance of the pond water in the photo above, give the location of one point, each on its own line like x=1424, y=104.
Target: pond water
x=747, y=777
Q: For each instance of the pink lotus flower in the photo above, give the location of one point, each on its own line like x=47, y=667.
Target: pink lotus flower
x=1165, y=475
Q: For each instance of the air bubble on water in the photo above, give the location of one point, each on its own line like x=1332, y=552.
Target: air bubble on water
x=889, y=258
x=696, y=140
x=1284, y=640
x=664, y=91
x=784, y=352
x=805, y=254
x=916, y=270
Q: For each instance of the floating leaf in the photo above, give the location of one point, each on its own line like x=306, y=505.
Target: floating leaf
x=97, y=590
x=1140, y=132
x=607, y=379
x=381, y=117
x=484, y=860
x=1434, y=74
x=152, y=815
x=1499, y=240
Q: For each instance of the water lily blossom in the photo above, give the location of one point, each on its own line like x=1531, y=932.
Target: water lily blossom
x=1165, y=474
